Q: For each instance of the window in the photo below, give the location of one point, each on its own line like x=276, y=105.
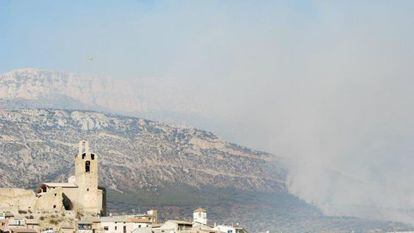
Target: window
x=84, y=226
x=54, y=206
x=116, y=228
x=93, y=156
x=83, y=156
x=87, y=166
x=87, y=190
x=106, y=228
x=124, y=229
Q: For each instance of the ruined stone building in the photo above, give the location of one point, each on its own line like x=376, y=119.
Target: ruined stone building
x=81, y=193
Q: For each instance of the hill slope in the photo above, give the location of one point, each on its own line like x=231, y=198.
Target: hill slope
x=136, y=153
x=148, y=164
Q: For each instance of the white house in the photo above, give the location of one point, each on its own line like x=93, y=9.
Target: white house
x=125, y=223
x=50, y=230
x=85, y=227
x=230, y=229
x=174, y=226
x=200, y=216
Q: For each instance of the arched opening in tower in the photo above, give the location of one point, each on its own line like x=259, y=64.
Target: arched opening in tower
x=87, y=166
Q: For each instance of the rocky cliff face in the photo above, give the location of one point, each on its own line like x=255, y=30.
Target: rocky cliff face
x=36, y=88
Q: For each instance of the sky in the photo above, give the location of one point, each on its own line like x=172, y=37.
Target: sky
x=326, y=84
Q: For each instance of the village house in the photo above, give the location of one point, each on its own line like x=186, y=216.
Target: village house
x=175, y=226
x=119, y=223
x=147, y=223
x=200, y=216
x=13, y=224
x=230, y=229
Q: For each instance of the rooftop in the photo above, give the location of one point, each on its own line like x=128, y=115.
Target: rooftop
x=200, y=210
x=23, y=230
x=124, y=218
x=64, y=185
x=180, y=222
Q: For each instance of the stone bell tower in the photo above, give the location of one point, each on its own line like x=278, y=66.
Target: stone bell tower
x=89, y=196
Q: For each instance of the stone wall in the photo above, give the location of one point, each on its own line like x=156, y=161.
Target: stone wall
x=14, y=199
x=52, y=200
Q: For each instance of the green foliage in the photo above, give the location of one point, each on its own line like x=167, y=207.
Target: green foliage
x=256, y=211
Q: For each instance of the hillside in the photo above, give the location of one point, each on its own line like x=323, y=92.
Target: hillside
x=149, y=164
x=136, y=153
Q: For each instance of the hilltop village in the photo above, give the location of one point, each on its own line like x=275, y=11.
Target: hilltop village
x=79, y=205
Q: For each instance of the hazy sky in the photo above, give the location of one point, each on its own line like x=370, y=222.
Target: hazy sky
x=135, y=38
x=327, y=84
